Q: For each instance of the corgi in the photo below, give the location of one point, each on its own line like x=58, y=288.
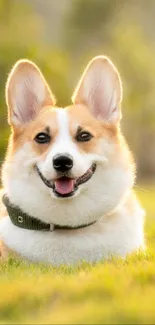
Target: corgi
x=68, y=174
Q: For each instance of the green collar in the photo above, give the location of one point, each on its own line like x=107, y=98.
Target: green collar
x=23, y=220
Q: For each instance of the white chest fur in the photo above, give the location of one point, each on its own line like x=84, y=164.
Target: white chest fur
x=117, y=234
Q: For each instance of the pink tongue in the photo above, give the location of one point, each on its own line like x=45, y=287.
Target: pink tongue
x=64, y=185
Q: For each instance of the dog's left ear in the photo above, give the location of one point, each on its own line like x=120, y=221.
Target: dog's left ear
x=100, y=89
x=26, y=93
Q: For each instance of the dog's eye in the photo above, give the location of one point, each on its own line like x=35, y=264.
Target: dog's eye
x=42, y=138
x=84, y=136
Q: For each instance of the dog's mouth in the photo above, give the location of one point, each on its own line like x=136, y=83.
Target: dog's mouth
x=66, y=186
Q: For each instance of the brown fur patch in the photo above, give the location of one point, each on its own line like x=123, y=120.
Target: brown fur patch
x=3, y=213
x=79, y=116
x=20, y=135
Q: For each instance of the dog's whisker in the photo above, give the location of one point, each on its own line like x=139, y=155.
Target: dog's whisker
x=145, y=190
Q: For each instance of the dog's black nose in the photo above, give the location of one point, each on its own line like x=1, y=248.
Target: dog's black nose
x=62, y=163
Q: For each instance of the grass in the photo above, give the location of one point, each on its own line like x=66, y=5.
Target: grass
x=115, y=292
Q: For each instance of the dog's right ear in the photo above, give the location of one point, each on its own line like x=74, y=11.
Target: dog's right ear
x=26, y=93
x=100, y=89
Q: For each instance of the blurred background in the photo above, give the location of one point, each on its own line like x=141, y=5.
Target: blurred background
x=61, y=36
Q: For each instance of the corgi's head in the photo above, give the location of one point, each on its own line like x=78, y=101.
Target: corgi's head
x=67, y=165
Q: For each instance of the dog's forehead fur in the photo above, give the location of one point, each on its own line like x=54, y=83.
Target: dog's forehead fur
x=54, y=119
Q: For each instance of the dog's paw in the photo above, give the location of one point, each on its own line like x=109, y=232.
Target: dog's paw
x=4, y=251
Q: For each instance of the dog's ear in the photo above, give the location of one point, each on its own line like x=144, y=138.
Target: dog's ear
x=26, y=93
x=100, y=89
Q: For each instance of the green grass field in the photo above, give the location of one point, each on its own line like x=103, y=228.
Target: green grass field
x=116, y=292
